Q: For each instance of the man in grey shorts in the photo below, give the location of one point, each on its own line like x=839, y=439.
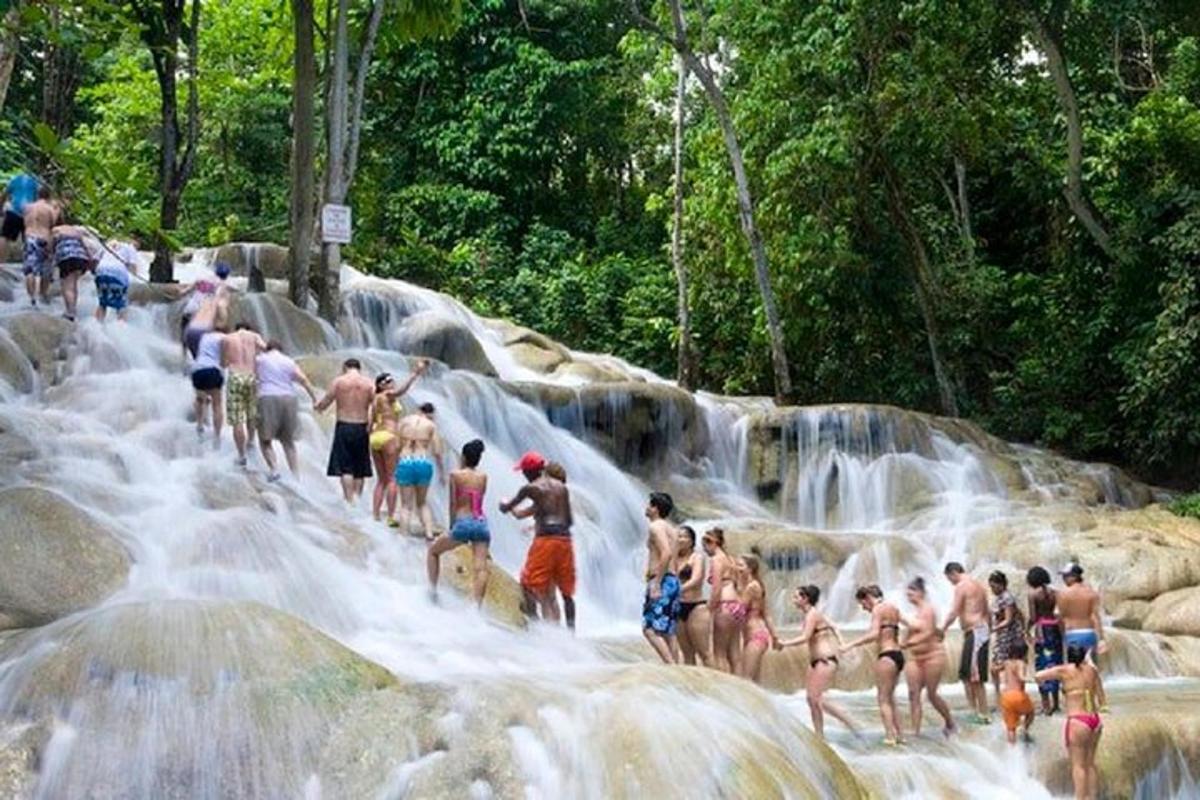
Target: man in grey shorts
x=278, y=409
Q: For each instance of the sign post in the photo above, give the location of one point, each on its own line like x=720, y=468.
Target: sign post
x=336, y=224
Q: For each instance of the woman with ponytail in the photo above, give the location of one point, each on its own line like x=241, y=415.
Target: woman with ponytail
x=823, y=640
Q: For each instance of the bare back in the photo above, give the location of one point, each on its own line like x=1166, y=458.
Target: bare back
x=240, y=349
x=40, y=218
x=467, y=488
x=352, y=392
x=1078, y=605
x=551, y=505
x=418, y=435
x=974, y=599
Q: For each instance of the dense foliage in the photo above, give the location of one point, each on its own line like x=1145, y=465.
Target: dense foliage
x=524, y=165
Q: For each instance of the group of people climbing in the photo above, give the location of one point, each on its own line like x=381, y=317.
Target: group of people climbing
x=732, y=629
x=33, y=215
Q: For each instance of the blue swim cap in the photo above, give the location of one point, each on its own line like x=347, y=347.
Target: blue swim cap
x=222, y=270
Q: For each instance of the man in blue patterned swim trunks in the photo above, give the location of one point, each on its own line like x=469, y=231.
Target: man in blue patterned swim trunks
x=661, y=608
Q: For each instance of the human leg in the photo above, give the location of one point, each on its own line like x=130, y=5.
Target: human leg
x=433, y=557
x=886, y=675
x=699, y=626
x=420, y=498
x=915, y=680
x=382, y=478
x=752, y=656
x=391, y=453
x=479, y=570
x=218, y=415
x=932, y=678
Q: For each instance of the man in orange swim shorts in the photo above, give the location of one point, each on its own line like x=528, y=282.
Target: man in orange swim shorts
x=550, y=564
x=1015, y=704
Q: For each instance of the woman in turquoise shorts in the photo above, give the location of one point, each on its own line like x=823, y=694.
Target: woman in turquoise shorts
x=468, y=484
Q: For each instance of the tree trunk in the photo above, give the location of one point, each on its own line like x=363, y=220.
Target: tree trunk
x=686, y=371
x=161, y=269
x=1075, y=191
x=964, y=208
x=335, y=167
x=60, y=78
x=360, y=89
x=924, y=286
x=758, y=252
x=304, y=149
x=10, y=43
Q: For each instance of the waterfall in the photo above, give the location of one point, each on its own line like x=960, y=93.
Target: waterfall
x=269, y=640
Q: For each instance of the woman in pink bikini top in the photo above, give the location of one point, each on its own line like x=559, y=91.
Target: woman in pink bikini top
x=758, y=635
x=728, y=611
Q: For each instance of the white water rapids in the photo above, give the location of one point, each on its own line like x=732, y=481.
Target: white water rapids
x=114, y=436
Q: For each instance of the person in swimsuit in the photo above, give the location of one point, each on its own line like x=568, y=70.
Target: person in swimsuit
x=1047, y=633
x=207, y=380
x=971, y=610
x=1079, y=608
x=926, y=658
x=724, y=604
x=420, y=449
x=350, y=454
x=239, y=354
x=758, y=634
x=695, y=622
x=73, y=258
x=1008, y=624
x=1080, y=682
x=823, y=640
x=550, y=563
x=885, y=630
x=39, y=218
x=206, y=307
x=1015, y=704
x=468, y=485
x=660, y=609
x=384, y=440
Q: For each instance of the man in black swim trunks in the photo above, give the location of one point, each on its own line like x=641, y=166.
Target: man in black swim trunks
x=350, y=456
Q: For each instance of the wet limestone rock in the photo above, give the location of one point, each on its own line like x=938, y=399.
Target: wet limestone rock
x=271, y=260
x=55, y=558
x=276, y=317
x=15, y=368
x=535, y=358
x=261, y=688
x=41, y=338
x=503, y=597
x=1176, y=612
x=429, y=334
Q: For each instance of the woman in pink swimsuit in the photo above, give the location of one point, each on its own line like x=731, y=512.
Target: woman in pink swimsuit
x=728, y=611
x=758, y=635
x=468, y=526
x=1080, y=683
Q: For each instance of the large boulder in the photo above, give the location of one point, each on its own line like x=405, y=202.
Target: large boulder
x=503, y=597
x=140, y=682
x=55, y=558
x=643, y=427
x=243, y=258
x=42, y=340
x=276, y=317
x=1176, y=612
x=432, y=335
x=1132, y=554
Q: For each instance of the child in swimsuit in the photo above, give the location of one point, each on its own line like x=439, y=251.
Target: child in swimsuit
x=1015, y=704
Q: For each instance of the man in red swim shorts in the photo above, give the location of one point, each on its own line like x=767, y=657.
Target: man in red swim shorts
x=550, y=564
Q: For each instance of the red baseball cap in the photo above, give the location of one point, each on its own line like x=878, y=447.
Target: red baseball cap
x=530, y=462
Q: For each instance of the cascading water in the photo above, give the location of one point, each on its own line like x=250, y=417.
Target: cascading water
x=209, y=673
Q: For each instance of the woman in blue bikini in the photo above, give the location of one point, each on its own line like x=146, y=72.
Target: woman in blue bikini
x=468, y=484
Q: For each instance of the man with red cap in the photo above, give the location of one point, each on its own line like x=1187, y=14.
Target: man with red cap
x=550, y=563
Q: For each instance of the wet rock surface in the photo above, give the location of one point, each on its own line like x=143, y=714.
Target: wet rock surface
x=55, y=558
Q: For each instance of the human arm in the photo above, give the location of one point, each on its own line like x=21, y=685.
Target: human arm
x=326, y=401
x=955, y=610
x=299, y=377
x=870, y=636
x=1098, y=626
x=1048, y=674
x=697, y=579
x=418, y=371
x=524, y=493
x=451, y=495
x=806, y=632
x=438, y=448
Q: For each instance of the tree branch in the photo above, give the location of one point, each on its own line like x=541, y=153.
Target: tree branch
x=360, y=88
x=193, y=102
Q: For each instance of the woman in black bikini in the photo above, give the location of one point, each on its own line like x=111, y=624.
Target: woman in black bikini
x=885, y=629
x=694, y=631
x=823, y=641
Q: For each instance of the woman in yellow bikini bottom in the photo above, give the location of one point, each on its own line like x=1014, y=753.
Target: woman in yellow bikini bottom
x=385, y=446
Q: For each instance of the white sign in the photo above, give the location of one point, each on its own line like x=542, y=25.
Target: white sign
x=335, y=224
